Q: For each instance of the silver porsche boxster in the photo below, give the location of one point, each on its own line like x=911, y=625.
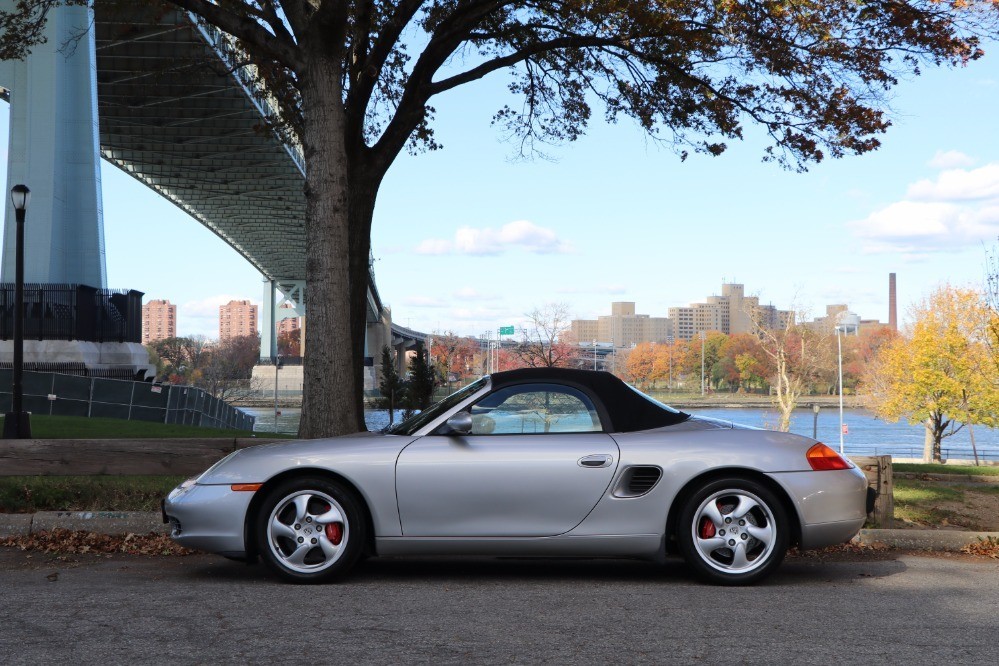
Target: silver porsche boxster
x=534, y=462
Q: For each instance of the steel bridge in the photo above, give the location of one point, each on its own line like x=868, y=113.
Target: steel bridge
x=178, y=113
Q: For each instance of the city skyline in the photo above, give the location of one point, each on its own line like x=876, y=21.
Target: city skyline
x=467, y=239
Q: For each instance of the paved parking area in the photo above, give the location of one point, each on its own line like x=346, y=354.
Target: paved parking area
x=899, y=608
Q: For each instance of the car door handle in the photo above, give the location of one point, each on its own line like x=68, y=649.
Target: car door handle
x=596, y=460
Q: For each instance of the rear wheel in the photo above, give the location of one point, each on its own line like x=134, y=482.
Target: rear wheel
x=733, y=531
x=310, y=530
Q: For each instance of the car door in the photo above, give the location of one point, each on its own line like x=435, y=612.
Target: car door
x=535, y=464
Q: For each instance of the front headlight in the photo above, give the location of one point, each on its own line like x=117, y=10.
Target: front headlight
x=182, y=488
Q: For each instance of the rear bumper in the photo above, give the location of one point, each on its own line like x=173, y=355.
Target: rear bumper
x=829, y=534
x=209, y=518
x=832, y=506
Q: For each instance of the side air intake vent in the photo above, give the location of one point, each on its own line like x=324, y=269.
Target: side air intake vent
x=637, y=481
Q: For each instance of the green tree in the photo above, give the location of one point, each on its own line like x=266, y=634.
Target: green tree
x=390, y=386
x=939, y=373
x=422, y=381
x=354, y=83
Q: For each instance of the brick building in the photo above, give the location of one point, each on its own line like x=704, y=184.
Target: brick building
x=236, y=319
x=159, y=321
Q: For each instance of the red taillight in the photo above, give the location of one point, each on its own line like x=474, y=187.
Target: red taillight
x=822, y=458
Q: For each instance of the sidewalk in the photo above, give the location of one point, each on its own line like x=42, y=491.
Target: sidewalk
x=138, y=522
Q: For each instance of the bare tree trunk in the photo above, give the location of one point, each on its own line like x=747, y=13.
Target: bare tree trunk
x=340, y=201
x=928, y=441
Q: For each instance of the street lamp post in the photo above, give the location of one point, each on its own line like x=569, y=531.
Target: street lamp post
x=16, y=423
x=815, y=421
x=839, y=350
x=703, y=336
x=277, y=366
x=594, y=354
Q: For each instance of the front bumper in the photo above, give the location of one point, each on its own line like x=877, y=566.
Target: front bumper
x=209, y=518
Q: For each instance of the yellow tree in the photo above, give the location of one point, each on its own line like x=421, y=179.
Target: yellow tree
x=939, y=373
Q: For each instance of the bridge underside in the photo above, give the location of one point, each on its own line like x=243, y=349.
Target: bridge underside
x=174, y=116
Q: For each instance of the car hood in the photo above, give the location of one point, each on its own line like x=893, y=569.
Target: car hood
x=256, y=464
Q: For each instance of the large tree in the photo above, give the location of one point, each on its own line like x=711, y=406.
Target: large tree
x=939, y=373
x=356, y=80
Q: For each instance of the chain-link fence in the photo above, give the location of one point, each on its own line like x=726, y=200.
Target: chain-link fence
x=68, y=395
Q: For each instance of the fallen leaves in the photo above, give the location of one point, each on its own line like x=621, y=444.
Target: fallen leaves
x=62, y=541
x=985, y=547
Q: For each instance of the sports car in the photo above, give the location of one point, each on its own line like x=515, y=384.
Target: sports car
x=532, y=462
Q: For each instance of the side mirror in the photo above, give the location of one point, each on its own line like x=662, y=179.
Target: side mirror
x=459, y=424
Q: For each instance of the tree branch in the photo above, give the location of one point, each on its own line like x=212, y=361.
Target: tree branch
x=248, y=30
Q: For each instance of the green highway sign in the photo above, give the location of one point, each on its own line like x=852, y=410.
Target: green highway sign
x=506, y=330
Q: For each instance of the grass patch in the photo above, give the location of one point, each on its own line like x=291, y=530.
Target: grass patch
x=917, y=501
x=936, y=468
x=27, y=494
x=76, y=427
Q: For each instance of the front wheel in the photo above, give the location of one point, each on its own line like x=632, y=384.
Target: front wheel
x=733, y=532
x=310, y=530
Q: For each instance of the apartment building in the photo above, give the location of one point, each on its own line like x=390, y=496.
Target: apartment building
x=623, y=327
x=159, y=321
x=731, y=312
x=236, y=319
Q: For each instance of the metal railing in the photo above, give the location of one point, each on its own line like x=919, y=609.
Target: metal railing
x=69, y=395
x=73, y=312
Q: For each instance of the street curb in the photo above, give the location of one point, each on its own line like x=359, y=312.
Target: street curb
x=141, y=522
x=922, y=539
x=101, y=522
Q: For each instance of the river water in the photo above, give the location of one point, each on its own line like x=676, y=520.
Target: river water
x=867, y=435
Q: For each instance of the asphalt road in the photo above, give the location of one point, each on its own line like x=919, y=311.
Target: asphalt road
x=202, y=609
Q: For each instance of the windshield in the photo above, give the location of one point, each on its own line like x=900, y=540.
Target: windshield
x=414, y=423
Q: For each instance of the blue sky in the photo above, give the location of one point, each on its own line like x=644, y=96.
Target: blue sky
x=468, y=239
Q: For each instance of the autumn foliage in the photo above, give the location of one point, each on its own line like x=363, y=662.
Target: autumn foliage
x=940, y=372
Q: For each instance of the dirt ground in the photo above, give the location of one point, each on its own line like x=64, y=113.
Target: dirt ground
x=978, y=511
x=923, y=503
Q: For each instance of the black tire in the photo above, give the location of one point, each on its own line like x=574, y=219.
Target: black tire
x=733, y=531
x=292, y=534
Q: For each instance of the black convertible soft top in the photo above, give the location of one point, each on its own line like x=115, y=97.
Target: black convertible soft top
x=627, y=409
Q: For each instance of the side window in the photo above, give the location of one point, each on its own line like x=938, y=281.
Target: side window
x=534, y=409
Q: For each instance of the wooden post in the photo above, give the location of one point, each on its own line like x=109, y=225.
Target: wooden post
x=878, y=471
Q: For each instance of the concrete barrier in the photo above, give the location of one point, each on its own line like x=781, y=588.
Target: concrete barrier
x=922, y=539
x=102, y=522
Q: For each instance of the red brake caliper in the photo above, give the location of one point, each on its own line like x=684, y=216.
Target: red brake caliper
x=334, y=532
x=707, y=528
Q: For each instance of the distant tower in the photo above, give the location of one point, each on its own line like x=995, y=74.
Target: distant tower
x=892, y=303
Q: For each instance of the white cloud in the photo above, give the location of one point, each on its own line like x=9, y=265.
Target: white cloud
x=958, y=209
x=959, y=185
x=423, y=302
x=520, y=234
x=951, y=159
x=470, y=294
x=434, y=246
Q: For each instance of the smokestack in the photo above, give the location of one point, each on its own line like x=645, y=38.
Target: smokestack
x=892, y=303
